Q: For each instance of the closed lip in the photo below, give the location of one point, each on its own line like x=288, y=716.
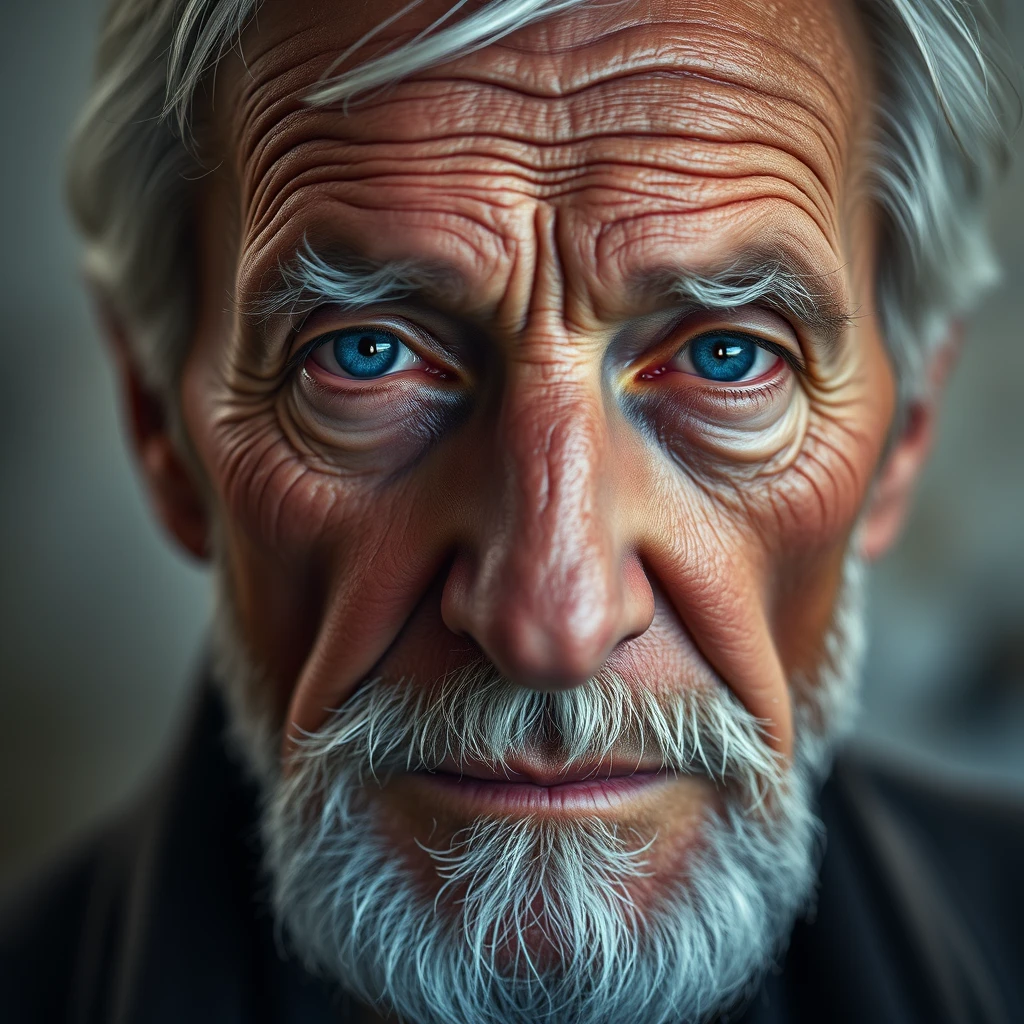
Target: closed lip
x=526, y=772
x=530, y=787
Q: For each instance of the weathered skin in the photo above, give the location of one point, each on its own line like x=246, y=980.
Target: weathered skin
x=546, y=499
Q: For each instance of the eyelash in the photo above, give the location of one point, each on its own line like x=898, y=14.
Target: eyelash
x=303, y=353
x=792, y=361
x=750, y=395
x=787, y=355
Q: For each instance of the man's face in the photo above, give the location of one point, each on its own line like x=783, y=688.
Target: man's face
x=553, y=453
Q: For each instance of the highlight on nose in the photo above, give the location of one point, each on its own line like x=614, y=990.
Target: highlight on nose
x=544, y=635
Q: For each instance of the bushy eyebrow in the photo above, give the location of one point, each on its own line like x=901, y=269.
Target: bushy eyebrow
x=774, y=281
x=339, y=278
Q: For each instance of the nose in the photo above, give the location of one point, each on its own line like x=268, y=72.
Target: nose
x=548, y=583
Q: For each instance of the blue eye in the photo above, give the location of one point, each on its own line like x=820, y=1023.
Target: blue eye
x=366, y=352
x=726, y=357
x=363, y=353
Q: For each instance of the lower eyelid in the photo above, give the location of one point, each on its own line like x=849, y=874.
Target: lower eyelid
x=691, y=371
x=353, y=387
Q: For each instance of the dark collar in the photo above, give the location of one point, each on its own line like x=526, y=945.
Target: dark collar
x=180, y=902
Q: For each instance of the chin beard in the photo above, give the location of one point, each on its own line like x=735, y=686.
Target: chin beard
x=535, y=919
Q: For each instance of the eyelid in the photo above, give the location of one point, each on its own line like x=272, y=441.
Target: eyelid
x=399, y=358
x=755, y=323
x=405, y=332
x=785, y=353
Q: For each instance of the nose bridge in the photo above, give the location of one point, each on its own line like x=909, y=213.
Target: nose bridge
x=543, y=591
x=556, y=545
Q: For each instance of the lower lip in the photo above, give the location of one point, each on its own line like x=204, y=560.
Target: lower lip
x=484, y=796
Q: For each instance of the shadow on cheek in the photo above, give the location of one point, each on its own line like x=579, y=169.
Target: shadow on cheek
x=385, y=432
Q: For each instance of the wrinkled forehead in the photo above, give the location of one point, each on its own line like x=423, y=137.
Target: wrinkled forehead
x=607, y=111
x=563, y=73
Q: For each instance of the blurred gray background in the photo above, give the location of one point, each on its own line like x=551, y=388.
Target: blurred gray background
x=101, y=622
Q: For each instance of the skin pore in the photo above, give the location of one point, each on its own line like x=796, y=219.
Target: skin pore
x=549, y=482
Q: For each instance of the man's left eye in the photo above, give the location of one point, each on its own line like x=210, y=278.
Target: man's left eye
x=363, y=353
x=725, y=357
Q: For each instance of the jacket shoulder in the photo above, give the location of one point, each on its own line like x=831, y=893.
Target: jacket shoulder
x=52, y=926
x=952, y=849
x=974, y=832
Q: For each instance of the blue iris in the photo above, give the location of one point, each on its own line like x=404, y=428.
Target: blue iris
x=365, y=351
x=723, y=357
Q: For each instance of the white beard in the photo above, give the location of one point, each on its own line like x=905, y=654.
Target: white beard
x=355, y=912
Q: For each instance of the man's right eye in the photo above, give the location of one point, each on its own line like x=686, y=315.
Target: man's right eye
x=364, y=353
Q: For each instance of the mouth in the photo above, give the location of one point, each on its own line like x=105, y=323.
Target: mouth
x=525, y=787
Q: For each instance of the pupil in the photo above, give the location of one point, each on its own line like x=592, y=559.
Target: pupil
x=727, y=358
x=367, y=345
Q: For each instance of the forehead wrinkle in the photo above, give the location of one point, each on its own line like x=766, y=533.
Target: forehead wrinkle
x=540, y=170
x=712, y=115
x=599, y=57
x=675, y=68
x=621, y=158
x=677, y=102
x=712, y=110
x=478, y=198
x=685, y=41
x=679, y=56
x=640, y=106
x=540, y=162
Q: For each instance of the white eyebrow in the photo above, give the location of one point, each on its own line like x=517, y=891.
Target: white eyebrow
x=771, y=281
x=309, y=280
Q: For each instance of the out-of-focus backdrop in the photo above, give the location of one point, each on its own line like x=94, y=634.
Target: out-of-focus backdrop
x=101, y=622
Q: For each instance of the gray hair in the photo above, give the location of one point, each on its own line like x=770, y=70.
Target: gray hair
x=944, y=110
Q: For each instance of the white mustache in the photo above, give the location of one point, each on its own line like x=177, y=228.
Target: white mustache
x=476, y=715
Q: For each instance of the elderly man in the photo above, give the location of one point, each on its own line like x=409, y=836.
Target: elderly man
x=538, y=375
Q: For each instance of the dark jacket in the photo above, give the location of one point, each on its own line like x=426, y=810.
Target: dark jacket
x=164, y=919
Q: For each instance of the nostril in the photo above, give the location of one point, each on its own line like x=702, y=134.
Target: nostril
x=458, y=601
x=543, y=654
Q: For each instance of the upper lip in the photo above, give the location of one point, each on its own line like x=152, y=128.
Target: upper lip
x=537, y=773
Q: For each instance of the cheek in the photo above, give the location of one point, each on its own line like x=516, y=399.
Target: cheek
x=330, y=525
x=306, y=476
x=315, y=552
x=771, y=505
x=726, y=444
x=278, y=607
x=378, y=431
x=808, y=514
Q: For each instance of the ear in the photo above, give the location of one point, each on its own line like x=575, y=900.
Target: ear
x=173, y=492
x=893, y=490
